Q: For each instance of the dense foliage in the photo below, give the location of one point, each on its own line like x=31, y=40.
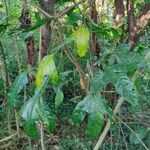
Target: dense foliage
x=75, y=74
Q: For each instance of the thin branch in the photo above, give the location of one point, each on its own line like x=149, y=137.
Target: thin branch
x=133, y=133
x=42, y=136
x=8, y=138
x=62, y=13
x=68, y=9
x=108, y=125
x=126, y=145
x=74, y=60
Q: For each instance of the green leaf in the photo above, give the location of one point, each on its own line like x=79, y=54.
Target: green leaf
x=78, y=116
x=97, y=83
x=3, y=27
x=59, y=98
x=16, y=88
x=1, y=6
x=31, y=130
x=46, y=68
x=46, y=116
x=95, y=124
x=147, y=57
x=123, y=54
x=29, y=111
x=147, y=1
x=138, y=135
x=73, y=17
x=81, y=36
x=36, y=110
x=95, y=107
x=126, y=89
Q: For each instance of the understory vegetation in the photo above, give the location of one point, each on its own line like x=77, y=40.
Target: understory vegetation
x=74, y=74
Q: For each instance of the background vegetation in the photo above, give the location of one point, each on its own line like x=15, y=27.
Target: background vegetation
x=74, y=75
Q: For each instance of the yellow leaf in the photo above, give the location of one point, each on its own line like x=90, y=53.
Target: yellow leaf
x=81, y=36
x=46, y=67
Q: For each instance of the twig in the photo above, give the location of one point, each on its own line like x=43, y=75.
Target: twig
x=17, y=124
x=42, y=136
x=108, y=124
x=123, y=136
x=5, y=146
x=133, y=133
x=74, y=60
x=30, y=143
x=68, y=9
x=8, y=138
x=62, y=13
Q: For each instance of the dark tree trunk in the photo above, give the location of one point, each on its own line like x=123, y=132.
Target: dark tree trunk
x=136, y=24
x=94, y=17
x=47, y=6
x=30, y=49
x=26, y=24
x=132, y=27
x=119, y=11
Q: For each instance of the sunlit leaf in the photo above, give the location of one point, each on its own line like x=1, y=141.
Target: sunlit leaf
x=81, y=36
x=46, y=68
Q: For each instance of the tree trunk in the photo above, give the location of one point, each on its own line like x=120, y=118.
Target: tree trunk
x=26, y=24
x=94, y=17
x=132, y=27
x=136, y=24
x=119, y=12
x=47, y=6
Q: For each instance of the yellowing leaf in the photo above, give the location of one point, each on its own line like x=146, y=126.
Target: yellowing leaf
x=46, y=67
x=81, y=37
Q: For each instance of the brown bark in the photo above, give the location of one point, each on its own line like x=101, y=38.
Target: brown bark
x=94, y=17
x=26, y=24
x=143, y=19
x=132, y=27
x=47, y=6
x=136, y=24
x=30, y=49
x=119, y=9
